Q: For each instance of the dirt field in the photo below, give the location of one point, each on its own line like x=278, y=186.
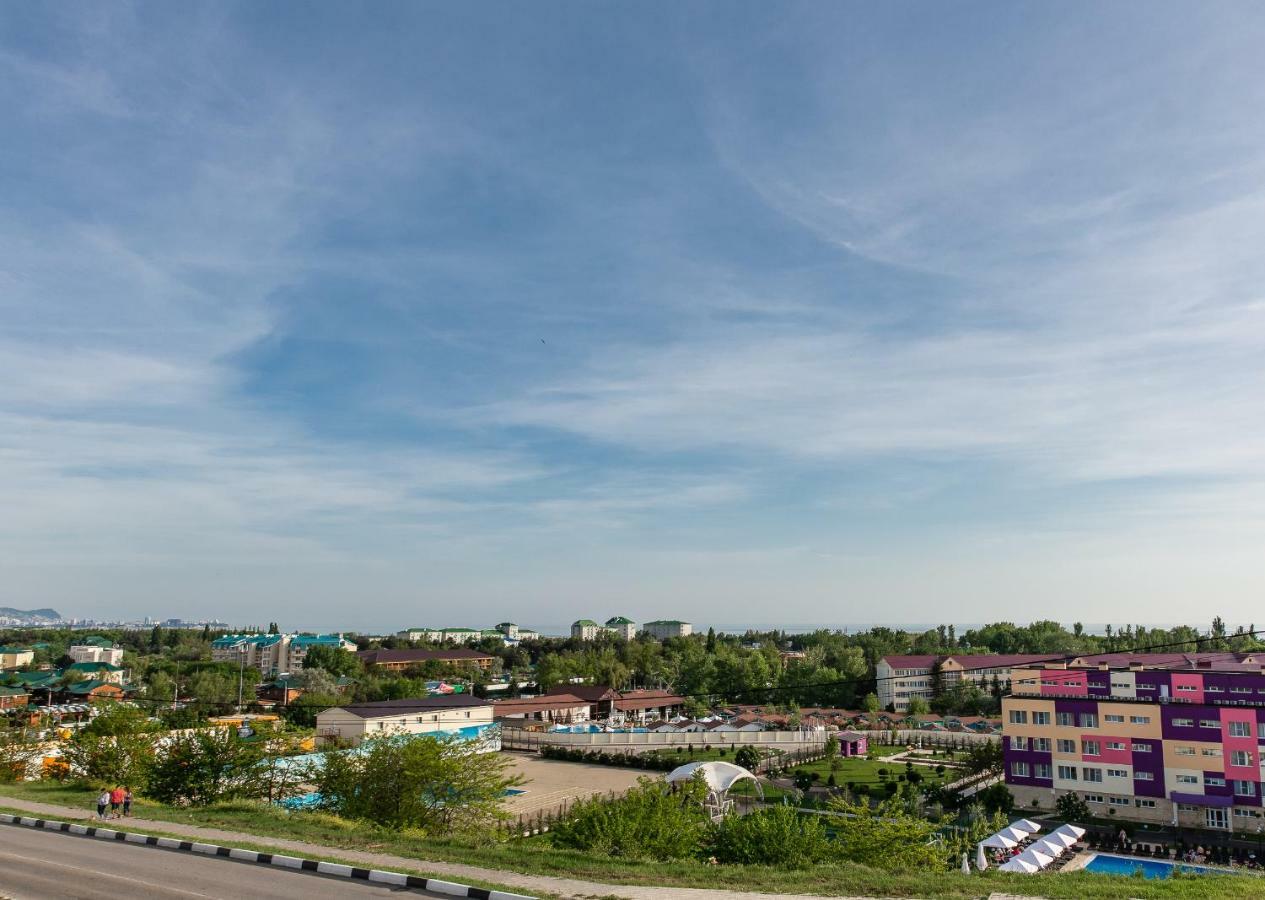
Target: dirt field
x=551, y=782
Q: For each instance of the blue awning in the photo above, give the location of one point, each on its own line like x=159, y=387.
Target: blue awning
x=1200, y=799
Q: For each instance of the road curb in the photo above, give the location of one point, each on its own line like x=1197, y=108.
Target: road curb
x=267, y=859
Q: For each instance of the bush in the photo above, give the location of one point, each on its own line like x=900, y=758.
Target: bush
x=205, y=767
x=776, y=836
x=747, y=757
x=649, y=822
x=432, y=783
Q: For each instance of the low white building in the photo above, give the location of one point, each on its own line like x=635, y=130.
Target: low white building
x=93, y=653
x=455, y=715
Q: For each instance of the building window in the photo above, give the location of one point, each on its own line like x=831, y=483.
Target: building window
x=1093, y=798
x=1187, y=779
x=1183, y=723
x=1139, y=720
x=1093, y=776
x=1211, y=751
x=1067, y=746
x=1186, y=807
x=1143, y=804
x=1240, y=690
x=1064, y=720
x=1041, y=744
x=1242, y=813
x=1019, y=769
x=1119, y=801
x=1244, y=788
x=1240, y=729
x=1115, y=745
x=1117, y=773
x=1209, y=723
x=1041, y=770
x=1214, y=781
x=1240, y=757
x=1089, y=720
x=1141, y=748
x=1186, y=688
x=1018, y=717
x=1213, y=689
x=1092, y=748
x=1018, y=743
x=1143, y=776
x=1040, y=718
x=1183, y=751
x=1109, y=717
x=1068, y=773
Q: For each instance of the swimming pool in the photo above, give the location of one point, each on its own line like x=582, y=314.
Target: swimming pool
x=1107, y=864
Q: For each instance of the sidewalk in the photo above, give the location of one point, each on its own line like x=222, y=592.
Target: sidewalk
x=565, y=887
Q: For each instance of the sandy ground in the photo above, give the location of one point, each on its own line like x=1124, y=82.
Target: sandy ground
x=552, y=782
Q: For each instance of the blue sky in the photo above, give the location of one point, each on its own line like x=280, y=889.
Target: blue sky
x=385, y=314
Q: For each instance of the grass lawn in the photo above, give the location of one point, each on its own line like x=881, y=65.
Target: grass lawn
x=537, y=856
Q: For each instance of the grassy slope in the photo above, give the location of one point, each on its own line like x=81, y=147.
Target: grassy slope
x=538, y=857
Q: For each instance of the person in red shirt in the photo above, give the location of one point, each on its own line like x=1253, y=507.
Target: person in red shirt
x=116, y=800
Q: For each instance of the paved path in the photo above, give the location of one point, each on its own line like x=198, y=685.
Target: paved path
x=551, y=783
x=562, y=887
x=49, y=865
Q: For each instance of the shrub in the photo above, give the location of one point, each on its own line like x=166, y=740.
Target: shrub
x=776, y=836
x=747, y=757
x=649, y=822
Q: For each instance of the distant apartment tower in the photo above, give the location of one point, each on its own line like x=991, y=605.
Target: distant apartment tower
x=515, y=633
x=585, y=629
x=1161, y=738
x=663, y=629
x=621, y=627
x=902, y=678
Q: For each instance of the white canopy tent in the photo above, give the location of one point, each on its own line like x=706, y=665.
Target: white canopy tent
x=1015, y=834
x=1052, y=848
x=1036, y=857
x=1074, y=831
x=1018, y=865
x=1062, y=838
x=719, y=778
x=1000, y=841
x=1026, y=825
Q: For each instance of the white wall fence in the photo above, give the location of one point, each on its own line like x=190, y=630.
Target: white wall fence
x=522, y=739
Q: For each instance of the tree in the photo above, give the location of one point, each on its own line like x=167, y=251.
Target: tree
x=997, y=798
x=1072, y=808
x=884, y=836
x=436, y=784
x=871, y=703
x=984, y=756
x=334, y=660
x=204, y=767
x=748, y=757
x=651, y=821
x=777, y=836
x=918, y=706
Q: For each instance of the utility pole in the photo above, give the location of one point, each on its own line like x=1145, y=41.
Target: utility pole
x=241, y=674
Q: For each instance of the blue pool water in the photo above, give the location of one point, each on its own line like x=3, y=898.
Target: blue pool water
x=312, y=800
x=1106, y=864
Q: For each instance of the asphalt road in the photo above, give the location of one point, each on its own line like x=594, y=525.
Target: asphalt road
x=47, y=865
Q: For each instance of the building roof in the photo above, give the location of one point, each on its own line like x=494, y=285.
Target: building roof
x=589, y=693
x=93, y=667
x=94, y=641
x=456, y=654
x=619, y=620
x=315, y=640
x=526, y=705
x=88, y=685
x=667, y=622
x=583, y=622
x=13, y=691
x=631, y=700
x=382, y=709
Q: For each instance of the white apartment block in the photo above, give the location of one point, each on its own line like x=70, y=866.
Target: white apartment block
x=273, y=654
x=901, y=678
x=667, y=628
x=92, y=653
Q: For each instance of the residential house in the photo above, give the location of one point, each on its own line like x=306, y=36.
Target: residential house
x=88, y=690
x=14, y=697
x=561, y=708
x=449, y=715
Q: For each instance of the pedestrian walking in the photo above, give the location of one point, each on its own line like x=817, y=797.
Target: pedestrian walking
x=127, y=801
x=116, y=800
x=102, y=802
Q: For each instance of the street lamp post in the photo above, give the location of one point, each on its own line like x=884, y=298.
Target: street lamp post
x=241, y=675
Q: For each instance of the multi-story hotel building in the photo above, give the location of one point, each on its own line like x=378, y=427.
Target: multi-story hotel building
x=901, y=678
x=1166, y=738
x=273, y=654
x=667, y=628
